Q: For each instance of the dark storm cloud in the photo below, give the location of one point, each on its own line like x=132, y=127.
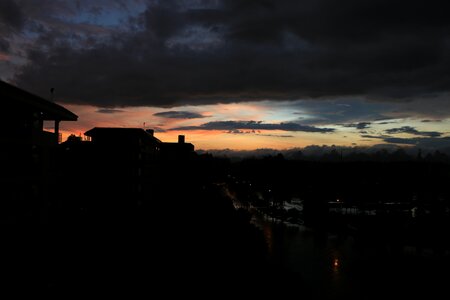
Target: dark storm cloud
x=435, y=143
x=11, y=16
x=4, y=45
x=421, y=142
x=278, y=135
x=359, y=126
x=254, y=125
x=430, y=121
x=196, y=52
x=394, y=140
x=11, y=22
x=179, y=115
x=386, y=122
x=414, y=131
x=370, y=136
x=109, y=111
x=257, y=132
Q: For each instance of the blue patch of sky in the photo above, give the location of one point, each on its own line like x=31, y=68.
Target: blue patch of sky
x=105, y=17
x=107, y=14
x=196, y=38
x=341, y=111
x=328, y=112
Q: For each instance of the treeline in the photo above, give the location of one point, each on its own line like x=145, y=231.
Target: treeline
x=352, y=181
x=337, y=153
x=382, y=155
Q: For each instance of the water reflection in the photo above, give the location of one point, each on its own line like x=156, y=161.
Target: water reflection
x=335, y=267
x=336, y=264
x=268, y=235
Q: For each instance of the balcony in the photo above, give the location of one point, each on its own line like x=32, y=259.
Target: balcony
x=44, y=138
x=29, y=137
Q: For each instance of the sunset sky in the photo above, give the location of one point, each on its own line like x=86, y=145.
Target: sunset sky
x=241, y=74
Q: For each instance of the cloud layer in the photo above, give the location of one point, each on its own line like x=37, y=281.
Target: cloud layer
x=169, y=53
x=179, y=115
x=235, y=126
x=359, y=126
x=414, y=131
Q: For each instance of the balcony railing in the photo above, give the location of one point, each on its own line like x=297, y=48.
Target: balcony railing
x=45, y=138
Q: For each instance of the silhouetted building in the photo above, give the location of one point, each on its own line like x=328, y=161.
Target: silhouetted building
x=137, y=143
x=121, y=167
x=124, y=156
x=177, y=151
x=24, y=116
x=26, y=150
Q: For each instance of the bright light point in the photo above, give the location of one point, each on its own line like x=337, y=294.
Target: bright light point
x=336, y=263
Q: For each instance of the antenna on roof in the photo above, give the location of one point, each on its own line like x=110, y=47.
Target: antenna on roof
x=144, y=125
x=52, y=92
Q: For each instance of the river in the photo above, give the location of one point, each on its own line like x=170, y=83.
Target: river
x=336, y=267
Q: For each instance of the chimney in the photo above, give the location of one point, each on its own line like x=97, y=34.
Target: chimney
x=150, y=131
x=181, y=139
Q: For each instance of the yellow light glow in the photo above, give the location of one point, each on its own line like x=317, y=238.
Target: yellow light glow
x=336, y=263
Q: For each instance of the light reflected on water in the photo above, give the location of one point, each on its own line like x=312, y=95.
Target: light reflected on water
x=267, y=230
x=335, y=267
x=336, y=270
x=336, y=264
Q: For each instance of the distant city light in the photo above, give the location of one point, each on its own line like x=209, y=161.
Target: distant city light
x=336, y=263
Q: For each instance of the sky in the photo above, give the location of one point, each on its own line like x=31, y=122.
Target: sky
x=239, y=74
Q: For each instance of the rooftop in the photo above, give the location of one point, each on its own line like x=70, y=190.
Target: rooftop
x=16, y=98
x=119, y=131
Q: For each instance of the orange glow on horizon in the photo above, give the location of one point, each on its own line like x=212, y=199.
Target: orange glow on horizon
x=217, y=139
x=138, y=117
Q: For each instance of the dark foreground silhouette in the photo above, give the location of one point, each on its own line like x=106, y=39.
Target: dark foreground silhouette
x=181, y=230
x=127, y=212
x=123, y=211
x=180, y=234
